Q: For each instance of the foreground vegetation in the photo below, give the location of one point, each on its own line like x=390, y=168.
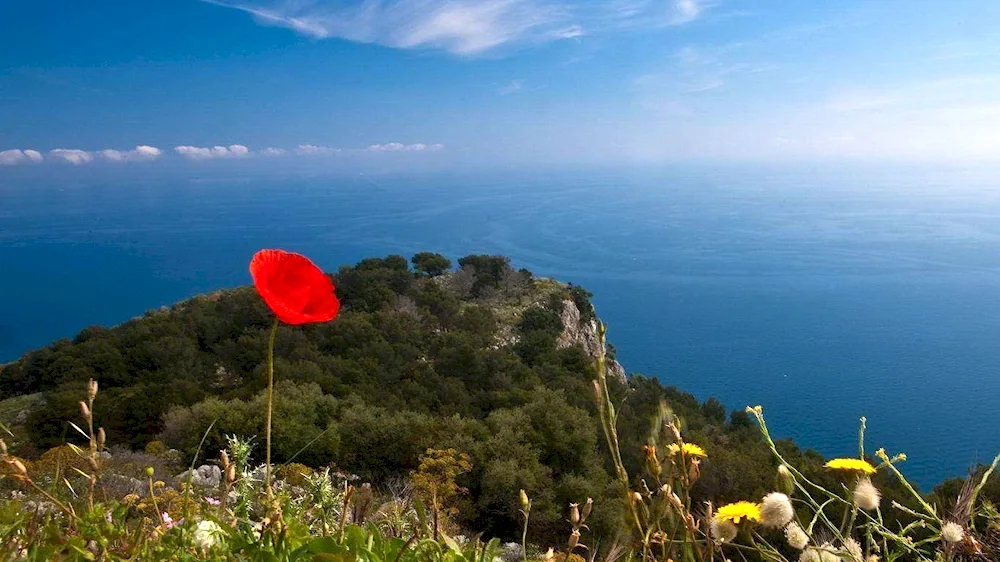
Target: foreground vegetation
x=439, y=404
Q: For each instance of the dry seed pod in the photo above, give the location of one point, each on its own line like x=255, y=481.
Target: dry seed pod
x=574, y=514
x=587, y=507
x=93, y=463
x=92, y=389
x=18, y=467
x=224, y=458
x=101, y=438
x=574, y=539
x=3, y=447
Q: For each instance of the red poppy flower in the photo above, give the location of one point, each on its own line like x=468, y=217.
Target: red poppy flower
x=293, y=287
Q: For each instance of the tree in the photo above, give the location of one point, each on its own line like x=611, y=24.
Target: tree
x=434, y=481
x=489, y=270
x=430, y=264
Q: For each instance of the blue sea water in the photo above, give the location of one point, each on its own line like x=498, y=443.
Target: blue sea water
x=822, y=294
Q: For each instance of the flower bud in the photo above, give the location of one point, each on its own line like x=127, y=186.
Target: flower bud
x=636, y=496
x=3, y=447
x=525, y=502
x=149, y=472
x=574, y=514
x=786, y=482
x=93, y=464
x=101, y=438
x=92, y=390
x=84, y=410
x=587, y=508
x=231, y=473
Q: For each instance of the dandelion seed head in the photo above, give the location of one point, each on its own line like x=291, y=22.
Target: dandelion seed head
x=853, y=549
x=796, y=537
x=776, y=510
x=822, y=553
x=866, y=495
x=723, y=530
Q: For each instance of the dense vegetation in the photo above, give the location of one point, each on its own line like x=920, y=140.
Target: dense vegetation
x=422, y=357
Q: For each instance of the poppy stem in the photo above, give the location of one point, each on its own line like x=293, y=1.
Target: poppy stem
x=270, y=396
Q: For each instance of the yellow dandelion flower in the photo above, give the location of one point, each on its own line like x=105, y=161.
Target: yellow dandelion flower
x=738, y=511
x=857, y=465
x=690, y=449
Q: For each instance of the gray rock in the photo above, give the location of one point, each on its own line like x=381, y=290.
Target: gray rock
x=120, y=486
x=205, y=476
x=510, y=552
x=576, y=331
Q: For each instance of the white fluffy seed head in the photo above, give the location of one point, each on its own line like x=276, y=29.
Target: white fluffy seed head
x=952, y=532
x=866, y=495
x=796, y=537
x=723, y=530
x=819, y=554
x=854, y=552
x=776, y=510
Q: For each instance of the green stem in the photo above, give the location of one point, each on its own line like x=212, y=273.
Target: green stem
x=270, y=396
x=524, y=534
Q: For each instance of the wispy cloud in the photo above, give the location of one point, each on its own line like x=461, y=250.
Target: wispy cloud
x=17, y=156
x=686, y=11
x=400, y=147
x=655, y=13
x=316, y=150
x=215, y=152
x=515, y=85
x=462, y=27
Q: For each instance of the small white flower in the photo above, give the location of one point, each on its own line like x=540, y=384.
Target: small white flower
x=207, y=534
x=796, y=537
x=952, y=532
x=866, y=495
x=776, y=510
x=723, y=530
x=854, y=553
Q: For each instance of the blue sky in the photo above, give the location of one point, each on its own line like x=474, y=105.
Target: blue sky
x=500, y=81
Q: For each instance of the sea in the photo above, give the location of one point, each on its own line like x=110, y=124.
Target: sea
x=822, y=293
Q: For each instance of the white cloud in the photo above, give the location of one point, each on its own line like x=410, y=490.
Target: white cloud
x=686, y=11
x=205, y=153
x=17, y=156
x=462, y=27
x=271, y=151
x=861, y=101
x=515, y=85
x=139, y=153
x=71, y=156
x=315, y=150
x=400, y=147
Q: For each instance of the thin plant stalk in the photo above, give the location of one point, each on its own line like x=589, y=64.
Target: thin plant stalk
x=270, y=399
